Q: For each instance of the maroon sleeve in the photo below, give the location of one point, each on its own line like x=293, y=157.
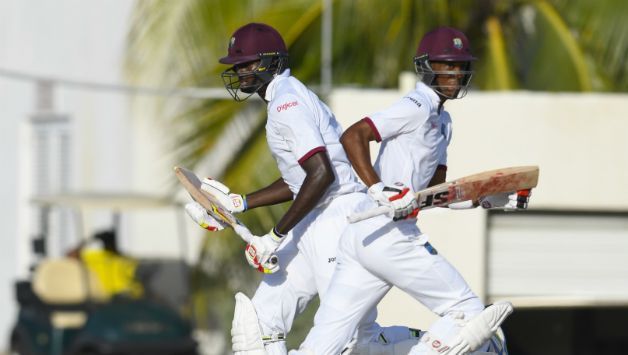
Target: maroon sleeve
x=310, y=153
x=368, y=121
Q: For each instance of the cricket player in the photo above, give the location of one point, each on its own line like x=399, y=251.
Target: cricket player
x=377, y=253
x=304, y=138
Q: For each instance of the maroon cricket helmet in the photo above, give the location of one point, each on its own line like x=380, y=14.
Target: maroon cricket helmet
x=251, y=40
x=445, y=44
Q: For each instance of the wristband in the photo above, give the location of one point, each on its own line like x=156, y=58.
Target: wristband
x=244, y=203
x=279, y=236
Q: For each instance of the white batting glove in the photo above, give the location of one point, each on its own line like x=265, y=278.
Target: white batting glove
x=508, y=201
x=200, y=216
x=260, y=252
x=235, y=203
x=400, y=199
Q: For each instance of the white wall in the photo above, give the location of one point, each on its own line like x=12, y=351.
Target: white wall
x=70, y=39
x=117, y=149
x=578, y=140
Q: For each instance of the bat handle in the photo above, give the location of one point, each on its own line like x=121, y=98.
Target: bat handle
x=360, y=216
x=243, y=232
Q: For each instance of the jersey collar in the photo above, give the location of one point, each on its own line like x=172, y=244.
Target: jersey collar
x=270, y=90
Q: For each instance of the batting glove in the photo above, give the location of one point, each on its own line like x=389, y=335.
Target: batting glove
x=235, y=203
x=401, y=200
x=200, y=216
x=508, y=201
x=260, y=252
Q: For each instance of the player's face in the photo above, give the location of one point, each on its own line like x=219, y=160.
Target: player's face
x=449, y=76
x=246, y=76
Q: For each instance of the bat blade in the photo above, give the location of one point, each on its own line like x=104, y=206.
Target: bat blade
x=466, y=188
x=475, y=186
x=192, y=185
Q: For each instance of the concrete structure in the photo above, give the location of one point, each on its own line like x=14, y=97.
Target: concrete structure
x=58, y=134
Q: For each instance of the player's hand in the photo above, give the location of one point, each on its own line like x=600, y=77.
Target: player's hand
x=200, y=216
x=400, y=199
x=260, y=252
x=235, y=203
x=508, y=201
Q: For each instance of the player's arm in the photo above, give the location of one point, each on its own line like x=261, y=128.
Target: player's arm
x=440, y=176
x=355, y=140
x=319, y=175
x=275, y=193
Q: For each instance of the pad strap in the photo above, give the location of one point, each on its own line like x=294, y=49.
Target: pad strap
x=273, y=338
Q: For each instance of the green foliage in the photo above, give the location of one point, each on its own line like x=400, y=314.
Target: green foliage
x=551, y=45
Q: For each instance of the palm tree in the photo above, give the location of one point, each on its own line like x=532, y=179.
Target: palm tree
x=547, y=45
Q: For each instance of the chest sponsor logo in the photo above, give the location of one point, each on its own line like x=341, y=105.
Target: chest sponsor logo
x=331, y=260
x=286, y=106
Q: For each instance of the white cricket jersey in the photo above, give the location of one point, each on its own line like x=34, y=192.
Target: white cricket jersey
x=300, y=125
x=415, y=138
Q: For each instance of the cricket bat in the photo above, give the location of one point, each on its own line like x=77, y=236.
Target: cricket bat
x=192, y=185
x=466, y=188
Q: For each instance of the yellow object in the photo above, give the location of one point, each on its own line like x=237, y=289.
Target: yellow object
x=63, y=281
x=115, y=272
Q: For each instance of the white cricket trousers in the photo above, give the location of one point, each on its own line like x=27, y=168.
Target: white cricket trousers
x=373, y=256
x=307, y=259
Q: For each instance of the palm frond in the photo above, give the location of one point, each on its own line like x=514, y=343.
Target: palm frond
x=500, y=77
x=566, y=39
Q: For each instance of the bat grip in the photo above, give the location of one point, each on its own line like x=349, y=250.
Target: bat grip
x=360, y=216
x=243, y=232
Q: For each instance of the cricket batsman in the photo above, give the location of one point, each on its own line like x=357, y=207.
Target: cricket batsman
x=304, y=138
x=379, y=253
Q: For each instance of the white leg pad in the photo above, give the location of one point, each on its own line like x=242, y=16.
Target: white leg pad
x=480, y=328
x=246, y=335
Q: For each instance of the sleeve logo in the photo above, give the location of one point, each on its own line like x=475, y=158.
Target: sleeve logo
x=416, y=102
x=286, y=106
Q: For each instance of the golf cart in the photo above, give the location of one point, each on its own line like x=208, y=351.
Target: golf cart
x=64, y=308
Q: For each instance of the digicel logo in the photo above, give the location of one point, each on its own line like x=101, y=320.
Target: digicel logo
x=286, y=106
